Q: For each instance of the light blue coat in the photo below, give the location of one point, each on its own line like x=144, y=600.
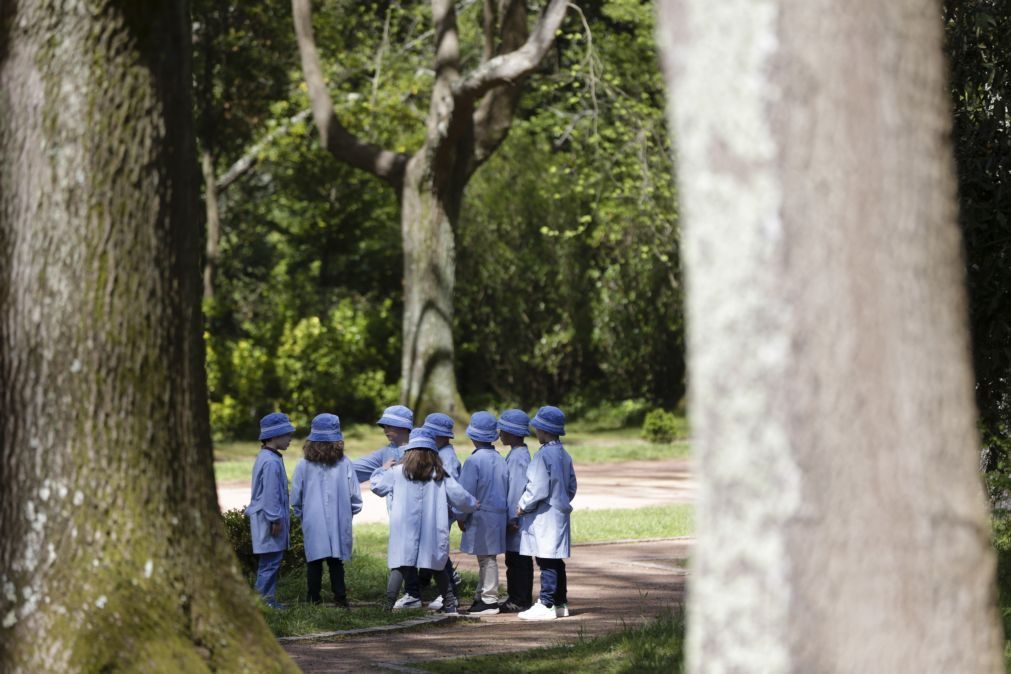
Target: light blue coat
x=547, y=502
x=419, y=519
x=325, y=498
x=449, y=461
x=484, y=476
x=365, y=466
x=268, y=503
x=517, y=461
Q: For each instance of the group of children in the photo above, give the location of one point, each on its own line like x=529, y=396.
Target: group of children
x=516, y=505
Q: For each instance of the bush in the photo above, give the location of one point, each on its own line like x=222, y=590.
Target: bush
x=663, y=426
x=241, y=540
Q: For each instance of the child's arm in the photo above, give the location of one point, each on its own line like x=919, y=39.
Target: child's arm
x=537, y=488
x=365, y=466
x=468, y=483
x=356, y=492
x=570, y=485
x=517, y=476
x=461, y=500
x=296, y=489
x=382, y=481
x=275, y=485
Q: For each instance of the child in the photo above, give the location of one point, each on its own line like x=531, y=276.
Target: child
x=513, y=427
x=422, y=493
x=268, y=504
x=325, y=495
x=441, y=426
x=544, y=514
x=484, y=532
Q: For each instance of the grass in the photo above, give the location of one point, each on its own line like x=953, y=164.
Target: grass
x=233, y=461
x=655, y=647
x=619, y=524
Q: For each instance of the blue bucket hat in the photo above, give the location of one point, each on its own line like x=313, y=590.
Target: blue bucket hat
x=550, y=419
x=440, y=424
x=421, y=438
x=275, y=424
x=399, y=416
x=516, y=422
x=483, y=427
x=326, y=428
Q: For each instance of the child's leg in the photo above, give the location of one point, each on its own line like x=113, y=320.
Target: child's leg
x=314, y=579
x=268, y=566
x=412, y=584
x=519, y=578
x=562, y=595
x=487, y=587
x=340, y=593
x=393, y=585
x=549, y=580
x=443, y=582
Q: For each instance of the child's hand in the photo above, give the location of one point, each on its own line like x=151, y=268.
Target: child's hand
x=519, y=512
x=390, y=463
x=275, y=529
x=512, y=527
x=463, y=527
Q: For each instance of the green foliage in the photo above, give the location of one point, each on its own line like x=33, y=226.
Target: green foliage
x=663, y=426
x=1001, y=524
x=241, y=539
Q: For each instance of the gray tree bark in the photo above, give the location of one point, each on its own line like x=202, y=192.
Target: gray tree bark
x=469, y=116
x=112, y=554
x=842, y=525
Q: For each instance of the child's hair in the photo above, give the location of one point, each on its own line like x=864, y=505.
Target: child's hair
x=423, y=465
x=327, y=453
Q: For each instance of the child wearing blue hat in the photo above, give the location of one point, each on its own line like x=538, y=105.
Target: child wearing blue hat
x=397, y=422
x=325, y=495
x=484, y=531
x=268, y=504
x=544, y=510
x=513, y=426
x=422, y=493
x=441, y=427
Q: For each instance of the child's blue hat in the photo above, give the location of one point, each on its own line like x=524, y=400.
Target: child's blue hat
x=421, y=438
x=483, y=427
x=550, y=419
x=399, y=416
x=326, y=428
x=275, y=424
x=516, y=422
x=440, y=424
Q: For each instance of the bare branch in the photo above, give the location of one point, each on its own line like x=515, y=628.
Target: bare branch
x=513, y=66
x=248, y=160
x=344, y=145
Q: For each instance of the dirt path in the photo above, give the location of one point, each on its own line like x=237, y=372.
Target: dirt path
x=632, y=484
x=609, y=585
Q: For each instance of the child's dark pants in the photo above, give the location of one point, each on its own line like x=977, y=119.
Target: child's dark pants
x=554, y=588
x=314, y=576
x=519, y=578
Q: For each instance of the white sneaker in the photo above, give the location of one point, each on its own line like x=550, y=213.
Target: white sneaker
x=435, y=604
x=407, y=601
x=562, y=610
x=538, y=612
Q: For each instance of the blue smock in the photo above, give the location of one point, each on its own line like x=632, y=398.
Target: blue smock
x=517, y=461
x=547, y=502
x=419, y=518
x=365, y=466
x=268, y=503
x=484, y=476
x=449, y=461
x=325, y=498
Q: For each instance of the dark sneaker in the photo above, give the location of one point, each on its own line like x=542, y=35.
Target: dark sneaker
x=342, y=603
x=481, y=608
x=510, y=607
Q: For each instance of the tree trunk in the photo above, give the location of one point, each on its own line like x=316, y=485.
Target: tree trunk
x=427, y=228
x=213, y=223
x=842, y=526
x=112, y=553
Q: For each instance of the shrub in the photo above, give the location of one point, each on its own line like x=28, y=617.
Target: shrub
x=663, y=426
x=241, y=540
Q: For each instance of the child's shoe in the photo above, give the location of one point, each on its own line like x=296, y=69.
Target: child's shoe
x=538, y=612
x=435, y=604
x=481, y=608
x=450, y=610
x=342, y=602
x=562, y=610
x=511, y=607
x=407, y=601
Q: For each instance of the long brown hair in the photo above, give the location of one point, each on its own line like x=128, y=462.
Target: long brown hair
x=327, y=453
x=423, y=465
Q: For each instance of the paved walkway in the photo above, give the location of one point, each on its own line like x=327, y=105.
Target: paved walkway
x=632, y=484
x=610, y=585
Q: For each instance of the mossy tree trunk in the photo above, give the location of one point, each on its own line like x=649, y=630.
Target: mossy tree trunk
x=470, y=115
x=842, y=525
x=112, y=553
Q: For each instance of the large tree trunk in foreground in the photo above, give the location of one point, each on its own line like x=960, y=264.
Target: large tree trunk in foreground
x=112, y=553
x=841, y=523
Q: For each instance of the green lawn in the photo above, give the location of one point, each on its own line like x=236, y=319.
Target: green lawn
x=656, y=647
x=365, y=575
x=233, y=461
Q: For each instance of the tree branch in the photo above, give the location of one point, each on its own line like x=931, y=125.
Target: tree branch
x=341, y=143
x=511, y=67
x=248, y=160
